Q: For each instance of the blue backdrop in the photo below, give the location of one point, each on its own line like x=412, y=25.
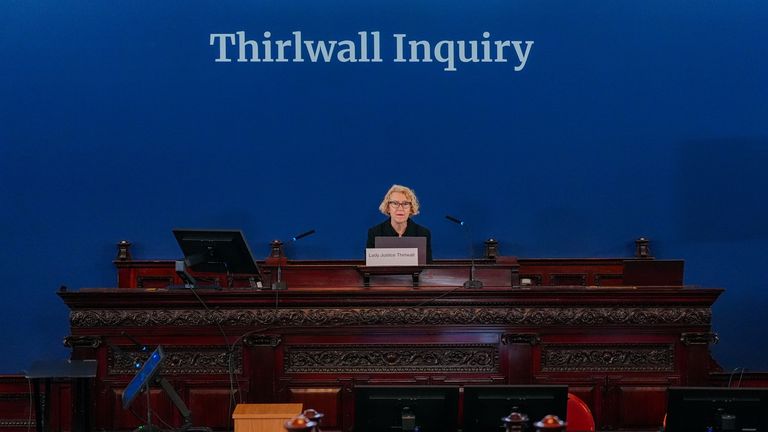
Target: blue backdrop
x=630, y=119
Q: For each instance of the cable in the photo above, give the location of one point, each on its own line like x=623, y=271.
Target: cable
x=230, y=355
x=29, y=420
x=733, y=372
x=169, y=426
x=438, y=297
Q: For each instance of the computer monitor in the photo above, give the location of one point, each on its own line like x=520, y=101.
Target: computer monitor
x=722, y=409
x=143, y=377
x=216, y=251
x=484, y=406
x=402, y=409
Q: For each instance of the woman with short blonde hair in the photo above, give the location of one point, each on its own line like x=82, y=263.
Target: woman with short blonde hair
x=400, y=203
x=410, y=196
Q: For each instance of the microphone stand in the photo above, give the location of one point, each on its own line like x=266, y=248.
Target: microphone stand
x=472, y=283
x=280, y=284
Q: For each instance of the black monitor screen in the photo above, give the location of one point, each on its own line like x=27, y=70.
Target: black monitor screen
x=390, y=409
x=484, y=406
x=216, y=251
x=722, y=409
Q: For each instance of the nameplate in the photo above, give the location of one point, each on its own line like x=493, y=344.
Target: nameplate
x=379, y=257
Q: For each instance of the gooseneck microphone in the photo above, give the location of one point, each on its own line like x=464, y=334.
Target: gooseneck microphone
x=140, y=346
x=472, y=283
x=279, y=284
x=302, y=235
x=455, y=220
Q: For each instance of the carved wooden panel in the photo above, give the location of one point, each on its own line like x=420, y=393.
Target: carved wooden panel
x=619, y=357
x=120, y=419
x=180, y=360
x=464, y=358
x=15, y=405
x=211, y=405
x=639, y=404
x=395, y=316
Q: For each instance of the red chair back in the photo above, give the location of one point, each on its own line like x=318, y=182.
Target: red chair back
x=579, y=415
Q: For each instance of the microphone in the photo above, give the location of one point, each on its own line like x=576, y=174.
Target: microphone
x=141, y=347
x=302, y=235
x=472, y=283
x=280, y=284
x=455, y=220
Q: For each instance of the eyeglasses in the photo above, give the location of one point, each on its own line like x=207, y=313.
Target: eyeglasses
x=403, y=204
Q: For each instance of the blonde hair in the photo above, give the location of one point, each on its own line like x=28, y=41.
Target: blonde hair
x=409, y=195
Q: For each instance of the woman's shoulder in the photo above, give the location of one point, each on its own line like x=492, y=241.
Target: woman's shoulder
x=421, y=230
x=378, y=228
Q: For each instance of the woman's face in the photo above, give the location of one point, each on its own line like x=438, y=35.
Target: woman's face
x=400, y=212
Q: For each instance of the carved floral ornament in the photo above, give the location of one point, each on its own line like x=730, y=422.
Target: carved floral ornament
x=635, y=358
x=464, y=358
x=395, y=316
x=180, y=360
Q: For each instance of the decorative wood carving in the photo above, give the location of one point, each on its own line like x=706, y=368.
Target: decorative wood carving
x=520, y=338
x=395, y=316
x=82, y=341
x=262, y=340
x=180, y=360
x=615, y=346
x=464, y=358
x=630, y=358
x=17, y=423
x=699, y=338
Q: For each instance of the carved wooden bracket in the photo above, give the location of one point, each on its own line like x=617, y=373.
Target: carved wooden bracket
x=82, y=341
x=520, y=338
x=699, y=338
x=262, y=340
x=366, y=272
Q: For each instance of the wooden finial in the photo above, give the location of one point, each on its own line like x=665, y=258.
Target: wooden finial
x=277, y=249
x=124, y=251
x=491, y=248
x=642, y=248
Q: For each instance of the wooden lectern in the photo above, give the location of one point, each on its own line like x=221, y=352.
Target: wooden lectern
x=264, y=417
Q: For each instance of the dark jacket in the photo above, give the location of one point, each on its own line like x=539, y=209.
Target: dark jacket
x=412, y=229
